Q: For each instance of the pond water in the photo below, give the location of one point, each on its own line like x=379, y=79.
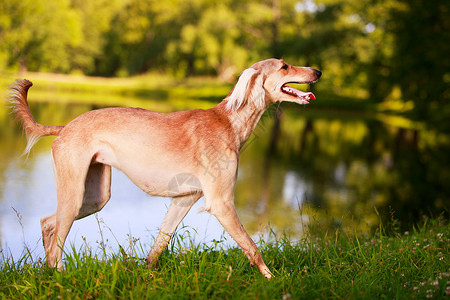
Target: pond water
x=300, y=167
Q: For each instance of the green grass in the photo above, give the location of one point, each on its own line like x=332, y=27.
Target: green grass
x=156, y=91
x=163, y=92
x=322, y=265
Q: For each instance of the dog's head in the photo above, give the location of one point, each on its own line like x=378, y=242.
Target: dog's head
x=266, y=82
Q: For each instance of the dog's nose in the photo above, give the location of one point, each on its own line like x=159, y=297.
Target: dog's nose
x=318, y=73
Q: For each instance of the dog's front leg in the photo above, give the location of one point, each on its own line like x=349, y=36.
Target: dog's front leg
x=178, y=209
x=226, y=214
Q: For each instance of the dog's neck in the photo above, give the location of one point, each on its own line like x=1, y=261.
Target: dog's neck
x=242, y=121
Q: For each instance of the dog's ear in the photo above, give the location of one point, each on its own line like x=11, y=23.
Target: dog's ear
x=248, y=89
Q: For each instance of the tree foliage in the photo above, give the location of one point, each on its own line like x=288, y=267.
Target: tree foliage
x=375, y=45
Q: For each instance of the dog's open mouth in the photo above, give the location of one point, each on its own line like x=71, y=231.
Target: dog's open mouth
x=289, y=90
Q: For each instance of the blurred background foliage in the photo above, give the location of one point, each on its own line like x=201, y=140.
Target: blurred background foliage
x=376, y=50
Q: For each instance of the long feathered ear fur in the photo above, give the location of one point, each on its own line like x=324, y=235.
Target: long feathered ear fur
x=248, y=89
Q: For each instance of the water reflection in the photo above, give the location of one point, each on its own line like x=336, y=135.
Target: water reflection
x=350, y=169
x=298, y=166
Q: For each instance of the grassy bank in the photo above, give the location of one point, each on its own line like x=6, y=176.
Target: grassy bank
x=413, y=264
x=165, y=93
x=156, y=91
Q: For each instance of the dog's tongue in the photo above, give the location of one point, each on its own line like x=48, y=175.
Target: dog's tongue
x=302, y=95
x=308, y=96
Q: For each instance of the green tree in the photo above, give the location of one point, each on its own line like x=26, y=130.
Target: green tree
x=95, y=18
x=19, y=24
x=211, y=43
x=36, y=34
x=421, y=60
x=139, y=36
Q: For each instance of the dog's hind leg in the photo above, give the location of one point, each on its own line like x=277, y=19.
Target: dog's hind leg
x=71, y=169
x=70, y=198
x=178, y=209
x=48, y=229
x=97, y=189
x=97, y=194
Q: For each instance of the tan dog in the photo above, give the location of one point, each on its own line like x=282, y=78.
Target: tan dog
x=183, y=155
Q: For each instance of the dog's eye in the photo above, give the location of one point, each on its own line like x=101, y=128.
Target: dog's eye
x=285, y=66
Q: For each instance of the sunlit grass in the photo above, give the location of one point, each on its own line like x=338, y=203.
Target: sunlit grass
x=322, y=265
x=159, y=92
x=163, y=92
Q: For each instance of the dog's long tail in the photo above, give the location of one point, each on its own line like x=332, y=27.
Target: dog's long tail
x=34, y=131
